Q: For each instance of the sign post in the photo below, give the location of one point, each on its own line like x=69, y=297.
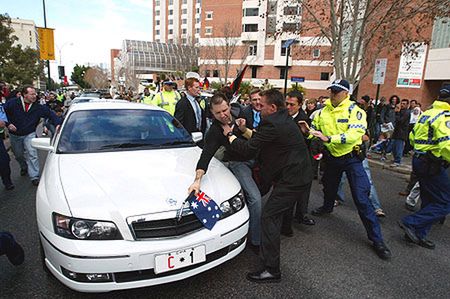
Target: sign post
x=379, y=74
x=287, y=45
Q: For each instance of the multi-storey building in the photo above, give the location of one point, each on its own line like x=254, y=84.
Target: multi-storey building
x=26, y=32
x=176, y=21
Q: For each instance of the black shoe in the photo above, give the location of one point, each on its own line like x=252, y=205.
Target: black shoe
x=263, y=276
x=254, y=248
x=382, y=251
x=409, y=232
x=35, y=182
x=287, y=232
x=426, y=244
x=320, y=211
x=307, y=221
x=14, y=252
x=9, y=187
x=23, y=172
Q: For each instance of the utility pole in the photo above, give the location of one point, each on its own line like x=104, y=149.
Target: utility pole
x=48, y=61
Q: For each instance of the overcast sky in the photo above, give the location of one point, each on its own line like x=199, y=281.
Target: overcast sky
x=86, y=30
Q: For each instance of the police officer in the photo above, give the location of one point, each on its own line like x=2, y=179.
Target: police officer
x=431, y=141
x=167, y=98
x=147, y=97
x=341, y=125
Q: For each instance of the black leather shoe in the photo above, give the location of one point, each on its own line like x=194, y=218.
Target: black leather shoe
x=23, y=172
x=35, y=182
x=382, y=251
x=409, y=232
x=426, y=244
x=287, y=233
x=321, y=211
x=263, y=276
x=307, y=221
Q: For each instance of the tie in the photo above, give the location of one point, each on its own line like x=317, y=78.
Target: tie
x=198, y=115
x=256, y=119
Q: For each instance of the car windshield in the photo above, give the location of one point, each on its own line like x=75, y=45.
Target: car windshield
x=114, y=129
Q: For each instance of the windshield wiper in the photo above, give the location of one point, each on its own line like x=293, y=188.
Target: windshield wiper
x=178, y=142
x=126, y=145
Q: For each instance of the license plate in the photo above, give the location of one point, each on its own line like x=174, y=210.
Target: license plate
x=179, y=259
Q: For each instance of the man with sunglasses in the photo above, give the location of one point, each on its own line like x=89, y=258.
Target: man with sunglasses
x=341, y=125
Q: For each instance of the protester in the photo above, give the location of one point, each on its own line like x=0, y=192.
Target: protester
x=252, y=112
x=341, y=125
x=285, y=169
x=240, y=165
x=431, y=141
x=147, y=97
x=23, y=116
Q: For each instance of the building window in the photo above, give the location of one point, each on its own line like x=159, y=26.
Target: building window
x=183, y=21
x=197, y=40
x=207, y=73
x=216, y=73
x=157, y=12
x=250, y=28
x=170, y=31
x=184, y=31
x=197, y=10
x=158, y=22
x=157, y=3
x=157, y=32
x=316, y=53
x=184, y=11
x=184, y=2
x=170, y=2
x=282, y=73
x=283, y=50
x=250, y=12
x=325, y=76
x=170, y=12
x=254, y=71
x=171, y=22
x=292, y=10
x=253, y=50
x=290, y=27
x=208, y=30
x=197, y=20
x=197, y=30
x=209, y=15
x=183, y=40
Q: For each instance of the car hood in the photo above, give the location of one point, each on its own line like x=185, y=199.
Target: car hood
x=119, y=184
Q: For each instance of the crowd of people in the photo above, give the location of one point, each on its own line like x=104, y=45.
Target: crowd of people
x=276, y=146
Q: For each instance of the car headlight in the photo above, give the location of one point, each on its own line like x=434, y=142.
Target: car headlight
x=83, y=229
x=233, y=205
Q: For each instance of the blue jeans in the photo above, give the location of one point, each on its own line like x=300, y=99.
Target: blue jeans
x=373, y=197
x=435, y=196
x=243, y=172
x=25, y=154
x=360, y=188
x=397, y=150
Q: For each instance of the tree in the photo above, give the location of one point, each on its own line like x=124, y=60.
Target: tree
x=18, y=66
x=78, y=75
x=358, y=31
x=96, y=78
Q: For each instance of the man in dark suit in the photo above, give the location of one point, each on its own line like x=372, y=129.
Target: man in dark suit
x=285, y=167
x=252, y=113
x=188, y=110
x=294, y=101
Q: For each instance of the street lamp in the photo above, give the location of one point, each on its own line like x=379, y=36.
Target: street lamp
x=287, y=45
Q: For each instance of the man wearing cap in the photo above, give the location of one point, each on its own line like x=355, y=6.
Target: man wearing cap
x=341, y=125
x=431, y=141
x=167, y=98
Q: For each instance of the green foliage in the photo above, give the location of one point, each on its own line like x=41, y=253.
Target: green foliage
x=53, y=85
x=18, y=66
x=215, y=85
x=245, y=88
x=78, y=76
x=297, y=87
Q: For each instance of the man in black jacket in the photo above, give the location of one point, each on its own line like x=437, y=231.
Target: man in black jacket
x=188, y=110
x=285, y=167
x=401, y=131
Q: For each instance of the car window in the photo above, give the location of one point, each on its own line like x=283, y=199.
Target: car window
x=114, y=129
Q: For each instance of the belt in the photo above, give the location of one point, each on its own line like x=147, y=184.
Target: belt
x=346, y=156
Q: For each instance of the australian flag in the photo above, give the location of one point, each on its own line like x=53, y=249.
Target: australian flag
x=206, y=209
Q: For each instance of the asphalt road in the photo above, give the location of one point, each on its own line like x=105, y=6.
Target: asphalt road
x=330, y=260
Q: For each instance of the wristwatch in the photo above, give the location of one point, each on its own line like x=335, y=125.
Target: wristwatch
x=329, y=139
x=229, y=134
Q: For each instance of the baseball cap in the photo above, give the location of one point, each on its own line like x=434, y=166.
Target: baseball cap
x=193, y=75
x=167, y=82
x=339, y=85
x=444, y=92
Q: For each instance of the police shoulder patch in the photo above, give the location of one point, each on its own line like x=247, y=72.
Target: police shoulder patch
x=359, y=115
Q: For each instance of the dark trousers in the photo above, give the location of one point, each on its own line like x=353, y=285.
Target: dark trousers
x=301, y=207
x=6, y=242
x=5, y=170
x=360, y=188
x=435, y=196
x=281, y=200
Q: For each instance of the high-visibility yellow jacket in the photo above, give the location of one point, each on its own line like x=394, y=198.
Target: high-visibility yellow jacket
x=344, y=125
x=167, y=100
x=432, y=131
x=147, y=99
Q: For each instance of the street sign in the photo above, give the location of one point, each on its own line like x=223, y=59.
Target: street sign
x=288, y=43
x=297, y=79
x=379, y=72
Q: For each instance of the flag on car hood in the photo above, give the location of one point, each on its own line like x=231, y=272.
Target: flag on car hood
x=206, y=209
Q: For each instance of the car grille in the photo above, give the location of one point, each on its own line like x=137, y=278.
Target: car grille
x=166, y=227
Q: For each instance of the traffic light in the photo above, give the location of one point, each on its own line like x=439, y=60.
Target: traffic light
x=61, y=72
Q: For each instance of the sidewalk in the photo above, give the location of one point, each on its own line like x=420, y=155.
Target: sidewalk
x=404, y=168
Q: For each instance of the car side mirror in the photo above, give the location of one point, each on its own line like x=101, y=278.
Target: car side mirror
x=197, y=136
x=42, y=144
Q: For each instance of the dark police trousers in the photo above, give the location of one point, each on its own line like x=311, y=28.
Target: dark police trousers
x=5, y=170
x=360, y=188
x=281, y=200
x=434, y=194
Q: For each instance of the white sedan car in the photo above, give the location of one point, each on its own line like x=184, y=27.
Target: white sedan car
x=111, y=206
